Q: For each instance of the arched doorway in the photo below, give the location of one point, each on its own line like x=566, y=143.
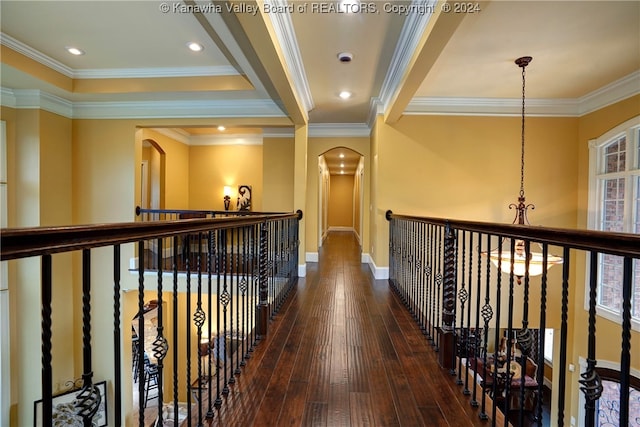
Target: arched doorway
x=152, y=172
x=340, y=192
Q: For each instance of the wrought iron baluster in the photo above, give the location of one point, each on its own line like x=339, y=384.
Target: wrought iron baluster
x=140, y=352
x=47, y=373
x=494, y=386
x=562, y=381
x=476, y=344
x=199, y=318
x=487, y=315
x=175, y=318
x=160, y=344
x=625, y=353
x=591, y=384
x=117, y=351
x=210, y=266
x=462, y=297
x=468, y=344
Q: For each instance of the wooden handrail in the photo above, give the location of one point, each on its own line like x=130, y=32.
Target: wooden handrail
x=35, y=241
x=623, y=244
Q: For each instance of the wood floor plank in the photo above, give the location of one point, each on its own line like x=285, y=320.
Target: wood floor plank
x=343, y=351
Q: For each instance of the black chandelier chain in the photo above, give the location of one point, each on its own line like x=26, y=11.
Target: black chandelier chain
x=523, y=65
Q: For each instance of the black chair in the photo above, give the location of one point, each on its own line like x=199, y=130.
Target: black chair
x=150, y=378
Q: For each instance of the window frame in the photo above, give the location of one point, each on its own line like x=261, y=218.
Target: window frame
x=597, y=174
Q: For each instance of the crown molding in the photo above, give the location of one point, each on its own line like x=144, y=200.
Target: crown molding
x=490, y=106
x=285, y=33
x=278, y=132
x=114, y=73
x=619, y=90
x=231, y=139
x=36, y=99
x=344, y=130
x=136, y=73
x=176, y=109
x=410, y=36
x=616, y=91
x=29, y=52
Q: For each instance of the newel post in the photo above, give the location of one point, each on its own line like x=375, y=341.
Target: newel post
x=447, y=329
x=262, y=312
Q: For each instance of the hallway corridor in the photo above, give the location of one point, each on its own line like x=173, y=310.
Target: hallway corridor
x=343, y=351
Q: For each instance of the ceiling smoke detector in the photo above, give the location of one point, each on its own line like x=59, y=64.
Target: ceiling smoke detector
x=345, y=56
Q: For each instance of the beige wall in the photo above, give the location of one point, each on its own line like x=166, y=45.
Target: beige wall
x=277, y=174
x=341, y=201
x=214, y=166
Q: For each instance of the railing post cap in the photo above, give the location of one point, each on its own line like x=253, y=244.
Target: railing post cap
x=388, y=215
x=299, y=212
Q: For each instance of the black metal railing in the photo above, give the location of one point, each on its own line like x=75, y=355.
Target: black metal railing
x=469, y=285
x=236, y=273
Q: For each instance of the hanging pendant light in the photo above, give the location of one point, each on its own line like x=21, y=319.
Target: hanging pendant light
x=535, y=262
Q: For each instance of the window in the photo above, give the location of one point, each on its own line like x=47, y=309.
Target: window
x=548, y=345
x=614, y=205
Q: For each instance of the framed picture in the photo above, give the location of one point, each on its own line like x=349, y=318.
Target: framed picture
x=64, y=412
x=244, y=197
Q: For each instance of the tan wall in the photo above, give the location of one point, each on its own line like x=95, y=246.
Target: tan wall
x=277, y=162
x=316, y=147
x=212, y=167
x=341, y=201
x=39, y=192
x=175, y=176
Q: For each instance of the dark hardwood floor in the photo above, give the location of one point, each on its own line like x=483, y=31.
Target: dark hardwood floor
x=343, y=351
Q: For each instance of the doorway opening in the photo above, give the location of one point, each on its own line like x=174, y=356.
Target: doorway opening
x=340, y=192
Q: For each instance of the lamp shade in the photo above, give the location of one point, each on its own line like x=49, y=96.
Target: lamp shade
x=536, y=262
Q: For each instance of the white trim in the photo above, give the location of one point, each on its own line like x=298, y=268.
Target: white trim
x=410, y=36
x=302, y=270
x=379, y=273
x=114, y=73
x=278, y=132
x=311, y=257
x=230, y=139
x=331, y=130
x=37, y=56
x=616, y=91
x=176, y=109
x=159, y=72
x=37, y=99
x=7, y=98
x=174, y=133
x=285, y=33
x=627, y=128
x=341, y=228
x=491, y=106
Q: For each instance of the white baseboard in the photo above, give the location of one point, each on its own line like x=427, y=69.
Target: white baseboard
x=336, y=228
x=379, y=273
x=311, y=257
x=302, y=270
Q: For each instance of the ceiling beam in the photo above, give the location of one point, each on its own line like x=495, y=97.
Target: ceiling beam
x=437, y=33
x=262, y=41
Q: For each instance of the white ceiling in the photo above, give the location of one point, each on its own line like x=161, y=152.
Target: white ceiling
x=578, y=47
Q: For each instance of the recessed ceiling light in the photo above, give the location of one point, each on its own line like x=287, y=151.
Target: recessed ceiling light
x=74, y=50
x=221, y=128
x=341, y=165
x=345, y=94
x=341, y=156
x=195, y=47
